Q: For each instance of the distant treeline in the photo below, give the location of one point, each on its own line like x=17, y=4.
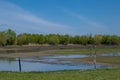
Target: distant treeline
x=9, y=37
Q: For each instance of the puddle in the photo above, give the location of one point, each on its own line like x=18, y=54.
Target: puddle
x=68, y=56
x=111, y=54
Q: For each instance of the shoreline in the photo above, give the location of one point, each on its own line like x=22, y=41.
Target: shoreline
x=27, y=51
x=70, y=46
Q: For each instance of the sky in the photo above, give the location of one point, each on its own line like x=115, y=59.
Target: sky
x=74, y=17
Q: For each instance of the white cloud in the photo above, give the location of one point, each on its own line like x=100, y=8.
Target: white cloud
x=23, y=21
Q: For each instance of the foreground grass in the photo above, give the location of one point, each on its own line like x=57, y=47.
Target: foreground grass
x=100, y=74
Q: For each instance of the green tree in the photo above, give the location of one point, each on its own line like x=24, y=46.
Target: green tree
x=106, y=40
x=53, y=40
x=84, y=40
x=76, y=40
x=23, y=39
x=34, y=38
x=41, y=39
x=90, y=39
x=3, y=39
x=115, y=40
x=11, y=37
x=65, y=39
x=97, y=39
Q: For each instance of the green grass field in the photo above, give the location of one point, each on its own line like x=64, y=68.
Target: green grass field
x=99, y=74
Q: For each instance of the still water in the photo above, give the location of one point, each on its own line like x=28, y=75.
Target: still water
x=38, y=66
x=50, y=63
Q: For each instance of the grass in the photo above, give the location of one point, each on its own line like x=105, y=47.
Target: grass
x=99, y=74
x=100, y=59
x=112, y=60
x=84, y=51
x=60, y=51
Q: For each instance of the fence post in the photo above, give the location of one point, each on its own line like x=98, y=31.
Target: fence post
x=95, y=58
x=19, y=64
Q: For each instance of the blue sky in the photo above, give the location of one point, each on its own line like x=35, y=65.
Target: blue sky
x=74, y=17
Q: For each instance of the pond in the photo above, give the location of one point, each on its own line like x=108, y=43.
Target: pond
x=51, y=63
x=39, y=66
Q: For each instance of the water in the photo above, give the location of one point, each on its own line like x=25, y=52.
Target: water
x=111, y=54
x=50, y=63
x=47, y=63
x=39, y=66
x=68, y=56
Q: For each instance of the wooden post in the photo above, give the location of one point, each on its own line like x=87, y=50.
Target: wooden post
x=19, y=65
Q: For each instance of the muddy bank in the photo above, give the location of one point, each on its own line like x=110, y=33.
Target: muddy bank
x=50, y=47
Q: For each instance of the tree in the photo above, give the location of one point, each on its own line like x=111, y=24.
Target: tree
x=41, y=39
x=65, y=39
x=97, y=39
x=106, y=40
x=84, y=40
x=3, y=39
x=115, y=40
x=34, y=38
x=76, y=40
x=90, y=39
x=23, y=39
x=8, y=37
x=11, y=37
x=53, y=40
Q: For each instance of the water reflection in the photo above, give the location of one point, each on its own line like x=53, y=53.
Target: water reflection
x=38, y=66
x=51, y=63
x=68, y=56
x=46, y=63
x=6, y=65
x=111, y=54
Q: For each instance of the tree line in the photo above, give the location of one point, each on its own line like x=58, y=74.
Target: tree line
x=9, y=37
